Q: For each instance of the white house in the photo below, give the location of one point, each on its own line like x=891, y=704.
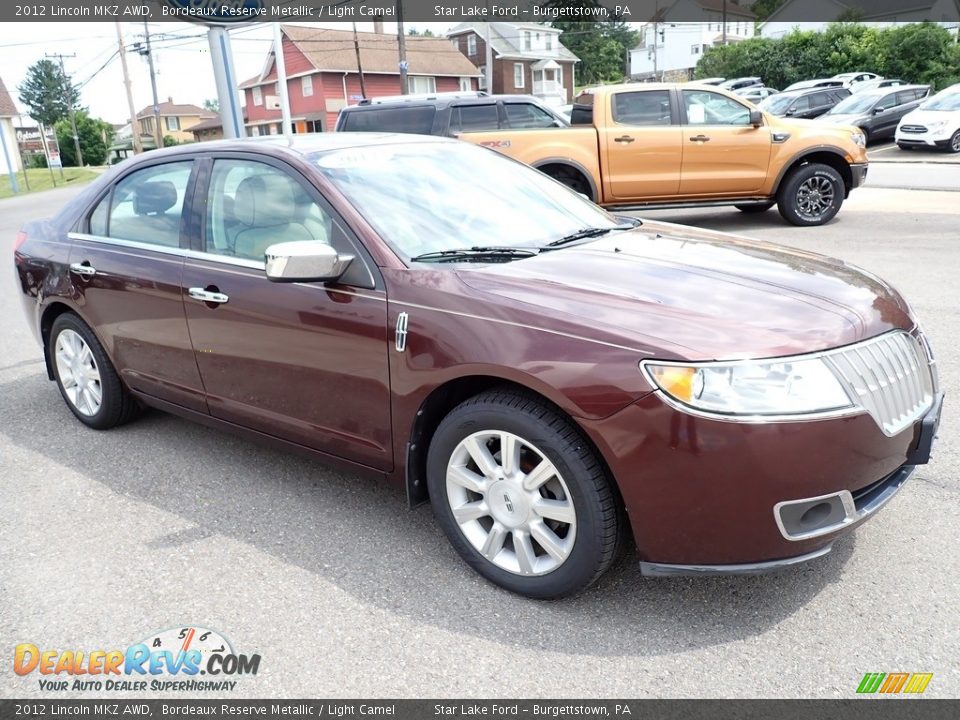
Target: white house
x=796, y=14
x=8, y=111
x=675, y=39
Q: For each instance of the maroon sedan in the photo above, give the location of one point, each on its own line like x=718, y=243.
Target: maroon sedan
x=550, y=377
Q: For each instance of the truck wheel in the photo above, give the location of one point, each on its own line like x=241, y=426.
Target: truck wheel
x=522, y=496
x=811, y=195
x=754, y=208
x=572, y=179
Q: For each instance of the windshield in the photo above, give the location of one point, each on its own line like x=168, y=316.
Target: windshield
x=854, y=105
x=944, y=102
x=776, y=104
x=429, y=197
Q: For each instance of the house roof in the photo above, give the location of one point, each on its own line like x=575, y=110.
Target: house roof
x=7, y=106
x=334, y=50
x=210, y=124
x=873, y=9
x=178, y=109
x=506, y=40
x=733, y=10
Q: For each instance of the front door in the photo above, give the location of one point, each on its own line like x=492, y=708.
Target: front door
x=642, y=146
x=723, y=154
x=303, y=361
x=126, y=267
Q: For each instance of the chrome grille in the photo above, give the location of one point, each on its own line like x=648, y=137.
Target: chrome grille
x=913, y=128
x=889, y=376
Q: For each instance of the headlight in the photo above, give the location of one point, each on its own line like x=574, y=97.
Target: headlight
x=859, y=139
x=775, y=387
x=936, y=125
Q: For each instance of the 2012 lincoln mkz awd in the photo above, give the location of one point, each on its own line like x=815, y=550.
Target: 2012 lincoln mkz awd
x=555, y=380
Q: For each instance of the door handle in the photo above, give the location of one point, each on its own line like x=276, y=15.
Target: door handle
x=84, y=269
x=624, y=139
x=209, y=296
x=699, y=138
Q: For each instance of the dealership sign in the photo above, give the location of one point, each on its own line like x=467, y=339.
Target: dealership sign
x=215, y=12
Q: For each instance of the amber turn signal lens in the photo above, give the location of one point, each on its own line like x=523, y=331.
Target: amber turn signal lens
x=675, y=381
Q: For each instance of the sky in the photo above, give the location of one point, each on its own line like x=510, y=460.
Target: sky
x=181, y=56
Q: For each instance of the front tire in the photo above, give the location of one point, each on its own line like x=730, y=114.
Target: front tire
x=522, y=496
x=811, y=195
x=85, y=376
x=573, y=180
x=954, y=145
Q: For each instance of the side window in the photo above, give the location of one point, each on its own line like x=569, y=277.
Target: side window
x=649, y=107
x=253, y=205
x=527, y=115
x=906, y=96
x=709, y=108
x=417, y=120
x=818, y=100
x=474, y=118
x=801, y=103
x=887, y=102
x=146, y=206
x=98, y=218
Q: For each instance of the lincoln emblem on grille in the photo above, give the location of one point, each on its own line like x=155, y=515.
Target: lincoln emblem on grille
x=401, y=332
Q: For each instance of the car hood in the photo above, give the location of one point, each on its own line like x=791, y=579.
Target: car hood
x=842, y=118
x=925, y=117
x=677, y=292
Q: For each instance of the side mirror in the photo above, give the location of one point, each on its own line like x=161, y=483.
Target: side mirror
x=789, y=112
x=305, y=261
x=877, y=111
x=756, y=118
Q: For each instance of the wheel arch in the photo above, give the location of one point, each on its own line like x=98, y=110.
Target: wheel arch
x=568, y=164
x=441, y=400
x=826, y=155
x=48, y=315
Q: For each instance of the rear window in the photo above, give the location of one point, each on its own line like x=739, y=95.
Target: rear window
x=474, y=118
x=415, y=120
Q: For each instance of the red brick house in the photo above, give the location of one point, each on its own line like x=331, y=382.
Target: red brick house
x=527, y=58
x=322, y=75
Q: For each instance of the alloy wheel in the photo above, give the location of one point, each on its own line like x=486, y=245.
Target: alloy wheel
x=78, y=373
x=510, y=502
x=815, y=196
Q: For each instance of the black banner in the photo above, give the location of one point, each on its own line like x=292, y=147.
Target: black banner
x=854, y=709
x=234, y=12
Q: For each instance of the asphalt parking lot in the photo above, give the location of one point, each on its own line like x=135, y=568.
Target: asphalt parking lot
x=108, y=537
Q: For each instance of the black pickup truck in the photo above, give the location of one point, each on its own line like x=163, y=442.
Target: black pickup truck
x=448, y=114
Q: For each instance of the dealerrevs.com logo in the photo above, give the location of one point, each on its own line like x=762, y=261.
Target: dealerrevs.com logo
x=187, y=659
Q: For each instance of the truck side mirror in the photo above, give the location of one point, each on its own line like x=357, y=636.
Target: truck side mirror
x=756, y=118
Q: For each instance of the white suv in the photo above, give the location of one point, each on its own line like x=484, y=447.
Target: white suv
x=936, y=123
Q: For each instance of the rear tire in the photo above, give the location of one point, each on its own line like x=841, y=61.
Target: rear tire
x=754, y=209
x=85, y=376
x=522, y=496
x=811, y=195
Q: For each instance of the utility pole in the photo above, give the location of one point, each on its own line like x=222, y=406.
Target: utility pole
x=488, y=60
x=70, y=102
x=401, y=41
x=724, y=22
x=134, y=124
x=157, y=131
x=356, y=46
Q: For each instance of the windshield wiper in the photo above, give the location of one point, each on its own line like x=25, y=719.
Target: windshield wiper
x=501, y=254
x=584, y=233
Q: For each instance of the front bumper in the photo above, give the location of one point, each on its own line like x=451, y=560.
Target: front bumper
x=704, y=496
x=859, y=174
x=927, y=139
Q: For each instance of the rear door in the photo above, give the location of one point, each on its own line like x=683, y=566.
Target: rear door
x=723, y=153
x=306, y=362
x=642, y=145
x=126, y=265
x=886, y=115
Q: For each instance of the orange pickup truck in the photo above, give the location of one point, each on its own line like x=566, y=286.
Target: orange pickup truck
x=640, y=146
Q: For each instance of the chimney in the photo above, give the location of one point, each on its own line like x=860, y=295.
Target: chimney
x=170, y=99
x=378, y=26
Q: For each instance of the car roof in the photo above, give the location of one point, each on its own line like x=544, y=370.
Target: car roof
x=300, y=144
x=807, y=91
x=439, y=100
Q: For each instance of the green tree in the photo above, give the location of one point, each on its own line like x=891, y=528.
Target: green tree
x=48, y=93
x=95, y=137
x=601, y=45
x=211, y=104
x=763, y=8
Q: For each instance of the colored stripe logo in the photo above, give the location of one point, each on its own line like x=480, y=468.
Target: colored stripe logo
x=894, y=683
